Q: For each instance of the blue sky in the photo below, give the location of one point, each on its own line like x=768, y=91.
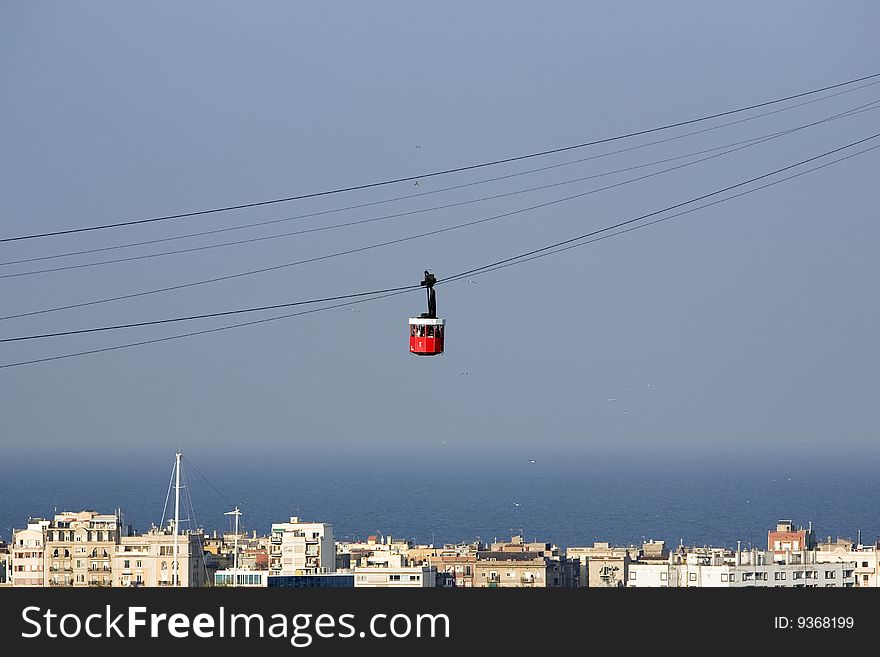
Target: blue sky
x=743, y=329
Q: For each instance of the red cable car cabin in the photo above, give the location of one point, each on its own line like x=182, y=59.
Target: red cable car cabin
x=426, y=336
x=426, y=332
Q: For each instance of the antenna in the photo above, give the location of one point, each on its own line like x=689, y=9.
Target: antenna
x=235, y=512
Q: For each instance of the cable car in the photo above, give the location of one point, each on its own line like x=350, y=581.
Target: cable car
x=426, y=332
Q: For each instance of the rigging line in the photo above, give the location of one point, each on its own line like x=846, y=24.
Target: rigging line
x=438, y=173
x=451, y=278
x=193, y=521
x=216, y=490
x=435, y=191
x=389, y=242
x=167, y=497
x=223, y=313
x=857, y=110
x=458, y=277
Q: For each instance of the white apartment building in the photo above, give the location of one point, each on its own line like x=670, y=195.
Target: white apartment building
x=301, y=548
x=750, y=569
x=395, y=577
x=28, y=554
x=393, y=571
x=864, y=558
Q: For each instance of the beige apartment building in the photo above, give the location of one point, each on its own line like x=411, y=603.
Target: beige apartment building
x=86, y=549
x=148, y=560
x=27, y=561
x=79, y=549
x=603, y=566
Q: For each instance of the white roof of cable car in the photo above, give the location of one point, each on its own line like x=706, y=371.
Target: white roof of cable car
x=426, y=321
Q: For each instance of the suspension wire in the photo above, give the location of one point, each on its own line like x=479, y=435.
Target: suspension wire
x=437, y=173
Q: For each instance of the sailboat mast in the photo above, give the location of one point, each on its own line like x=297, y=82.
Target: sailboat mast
x=175, y=575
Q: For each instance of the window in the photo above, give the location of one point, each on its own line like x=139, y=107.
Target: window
x=829, y=574
x=797, y=575
x=394, y=578
x=864, y=564
x=732, y=577
x=692, y=577
x=723, y=577
x=632, y=574
x=413, y=578
x=139, y=564
x=664, y=577
x=429, y=331
x=126, y=564
x=778, y=576
x=747, y=576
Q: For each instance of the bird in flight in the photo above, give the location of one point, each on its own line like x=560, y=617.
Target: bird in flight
x=471, y=280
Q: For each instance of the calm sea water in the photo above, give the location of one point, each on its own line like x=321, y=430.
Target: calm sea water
x=430, y=500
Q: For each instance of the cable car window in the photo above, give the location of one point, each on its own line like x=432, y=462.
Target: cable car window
x=429, y=331
x=412, y=330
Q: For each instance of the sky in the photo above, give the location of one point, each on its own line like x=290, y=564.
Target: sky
x=744, y=330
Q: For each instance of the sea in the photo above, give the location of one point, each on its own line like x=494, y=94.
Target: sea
x=567, y=502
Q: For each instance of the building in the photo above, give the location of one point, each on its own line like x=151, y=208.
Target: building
x=301, y=548
x=242, y=577
x=72, y=549
x=5, y=565
x=79, y=548
x=863, y=556
x=601, y=565
x=716, y=567
x=460, y=568
x=514, y=570
x=28, y=554
x=375, y=551
x=394, y=572
x=786, y=538
x=314, y=581
x=148, y=559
